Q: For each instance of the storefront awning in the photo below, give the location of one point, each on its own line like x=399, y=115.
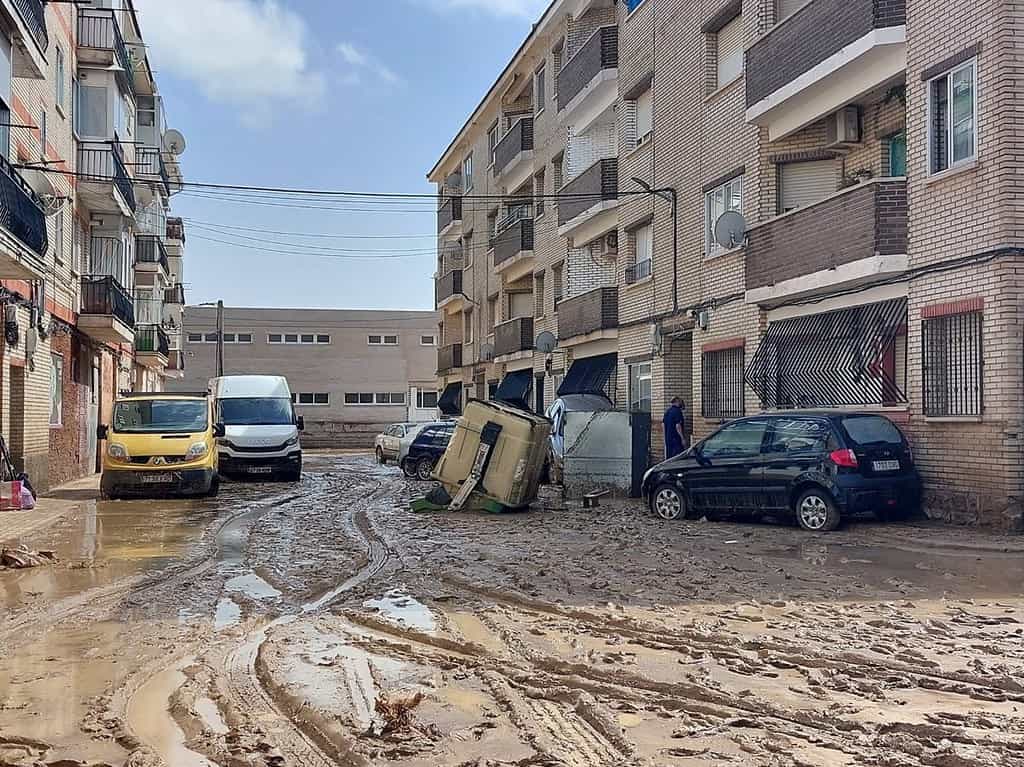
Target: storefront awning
x=450, y=402
x=850, y=357
x=589, y=375
x=514, y=389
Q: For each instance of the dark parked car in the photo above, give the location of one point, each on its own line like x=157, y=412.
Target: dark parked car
x=426, y=450
x=817, y=465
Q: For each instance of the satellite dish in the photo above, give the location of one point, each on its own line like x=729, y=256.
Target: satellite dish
x=174, y=142
x=546, y=342
x=487, y=352
x=731, y=230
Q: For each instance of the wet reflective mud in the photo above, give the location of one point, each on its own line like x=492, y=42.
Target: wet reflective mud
x=326, y=624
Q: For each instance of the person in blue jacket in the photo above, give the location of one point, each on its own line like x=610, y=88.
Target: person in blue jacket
x=675, y=428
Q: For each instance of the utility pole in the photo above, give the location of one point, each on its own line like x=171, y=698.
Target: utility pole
x=220, y=338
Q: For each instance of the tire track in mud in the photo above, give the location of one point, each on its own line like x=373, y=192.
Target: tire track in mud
x=295, y=733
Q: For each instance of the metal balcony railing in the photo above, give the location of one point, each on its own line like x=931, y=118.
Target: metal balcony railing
x=103, y=295
x=98, y=28
x=638, y=271
x=176, y=229
x=33, y=14
x=152, y=338
x=150, y=249
x=449, y=212
x=449, y=285
x=21, y=213
x=175, y=295
x=149, y=161
x=103, y=162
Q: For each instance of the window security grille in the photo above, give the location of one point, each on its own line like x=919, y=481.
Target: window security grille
x=953, y=365
x=722, y=384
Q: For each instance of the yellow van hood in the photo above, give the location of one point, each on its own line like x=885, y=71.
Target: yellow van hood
x=157, y=444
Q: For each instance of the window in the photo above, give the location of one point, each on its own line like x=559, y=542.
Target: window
x=538, y=192
x=305, y=399
x=210, y=338
x=391, y=340
x=195, y=338
x=722, y=386
x=368, y=398
x=557, y=55
x=322, y=399
x=800, y=435
x=643, y=253
x=313, y=398
x=56, y=390
x=644, y=106
x=274, y=338
x=558, y=173
x=390, y=398
x=468, y=327
x=896, y=145
x=43, y=128
x=492, y=312
x=323, y=338
x=291, y=338
x=539, y=90
x=493, y=137
x=556, y=273
x=245, y=338
x=308, y=338
x=727, y=197
x=467, y=173
x=729, y=51
x=58, y=237
x=428, y=340
x=538, y=295
x=229, y=338
x=953, y=366
x=59, y=73
x=295, y=398
x=632, y=5
x=91, y=117
x=426, y=400
x=737, y=440
x=351, y=399
x=375, y=340
x=805, y=183
x=952, y=128
x=640, y=387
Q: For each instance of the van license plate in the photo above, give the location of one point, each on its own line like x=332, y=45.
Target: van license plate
x=157, y=479
x=261, y=469
x=887, y=465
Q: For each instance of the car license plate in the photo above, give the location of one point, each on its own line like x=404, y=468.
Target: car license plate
x=157, y=479
x=260, y=469
x=887, y=465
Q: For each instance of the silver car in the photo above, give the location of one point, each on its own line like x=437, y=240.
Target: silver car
x=568, y=403
x=388, y=444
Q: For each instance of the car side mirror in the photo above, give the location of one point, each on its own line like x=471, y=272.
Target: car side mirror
x=300, y=423
x=219, y=430
x=102, y=431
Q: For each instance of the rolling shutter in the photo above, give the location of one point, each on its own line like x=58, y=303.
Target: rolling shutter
x=805, y=183
x=730, y=51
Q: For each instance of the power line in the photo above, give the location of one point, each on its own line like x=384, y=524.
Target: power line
x=317, y=235
x=343, y=256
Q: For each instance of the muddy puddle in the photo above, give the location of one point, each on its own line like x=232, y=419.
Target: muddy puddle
x=403, y=610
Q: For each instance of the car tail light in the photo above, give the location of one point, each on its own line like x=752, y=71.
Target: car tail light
x=845, y=458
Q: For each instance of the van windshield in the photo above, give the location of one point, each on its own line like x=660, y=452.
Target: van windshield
x=160, y=416
x=257, y=411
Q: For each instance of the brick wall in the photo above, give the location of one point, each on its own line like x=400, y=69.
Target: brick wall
x=69, y=443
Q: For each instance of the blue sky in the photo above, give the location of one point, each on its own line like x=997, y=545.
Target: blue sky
x=320, y=94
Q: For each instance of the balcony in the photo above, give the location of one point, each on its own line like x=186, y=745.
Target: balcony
x=588, y=83
x=175, y=295
x=514, y=244
x=150, y=165
x=449, y=217
x=796, y=75
x=176, y=230
x=23, y=239
x=638, y=271
x=100, y=43
x=25, y=21
x=514, y=152
x=449, y=358
x=175, y=364
x=152, y=346
x=104, y=184
x=587, y=206
x=589, y=316
x=108, y=314
x=448, y=291
x=151, y=255
x=852, y=238
x=513, y=337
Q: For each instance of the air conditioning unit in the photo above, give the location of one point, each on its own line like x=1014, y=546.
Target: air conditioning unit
x=843, y=127
x=606, y=247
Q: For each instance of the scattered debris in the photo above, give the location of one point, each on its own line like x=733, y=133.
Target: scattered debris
x=396, y=712
x=22, y=558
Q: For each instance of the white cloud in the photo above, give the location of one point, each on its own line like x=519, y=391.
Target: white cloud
x=527, y=9
x=361, y=62
x=252, y=54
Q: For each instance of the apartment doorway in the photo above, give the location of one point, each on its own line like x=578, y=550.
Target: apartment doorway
x=678, y=377
x=16, y=421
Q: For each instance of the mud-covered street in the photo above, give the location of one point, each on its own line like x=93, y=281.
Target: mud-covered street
x=325, y=623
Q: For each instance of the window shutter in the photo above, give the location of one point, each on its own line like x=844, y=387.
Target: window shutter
x=644, y=114
x=785, y=8
x=521, y=304
x=730, y=51
x=804, y=183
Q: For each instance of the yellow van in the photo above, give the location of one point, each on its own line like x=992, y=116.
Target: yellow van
x=161, y=444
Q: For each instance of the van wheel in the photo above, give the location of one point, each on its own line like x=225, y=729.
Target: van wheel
x=380, y=457
x=424, y=468
x=668, y=503
x=214, y=488
x=816, y=511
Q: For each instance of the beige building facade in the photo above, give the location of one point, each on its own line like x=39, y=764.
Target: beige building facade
x=858, y=159
x=351, y=372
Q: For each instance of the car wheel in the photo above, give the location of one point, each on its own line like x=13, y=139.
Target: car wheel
x=380, y=457
x=424, y=468
x=409, y=468
x=816, y=511
x=667, y=502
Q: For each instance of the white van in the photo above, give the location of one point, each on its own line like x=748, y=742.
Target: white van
x=261, y=428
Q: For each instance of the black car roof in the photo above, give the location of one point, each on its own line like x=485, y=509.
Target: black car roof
x=827, y=414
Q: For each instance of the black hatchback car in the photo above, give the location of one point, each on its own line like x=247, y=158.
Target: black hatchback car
x=820, y=466
x=427, y=449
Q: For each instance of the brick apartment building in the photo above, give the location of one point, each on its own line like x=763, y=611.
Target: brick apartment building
x=351, y=372
x=870, y=148
x=90, y=265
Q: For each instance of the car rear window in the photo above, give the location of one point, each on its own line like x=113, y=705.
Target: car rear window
x=872, y=430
